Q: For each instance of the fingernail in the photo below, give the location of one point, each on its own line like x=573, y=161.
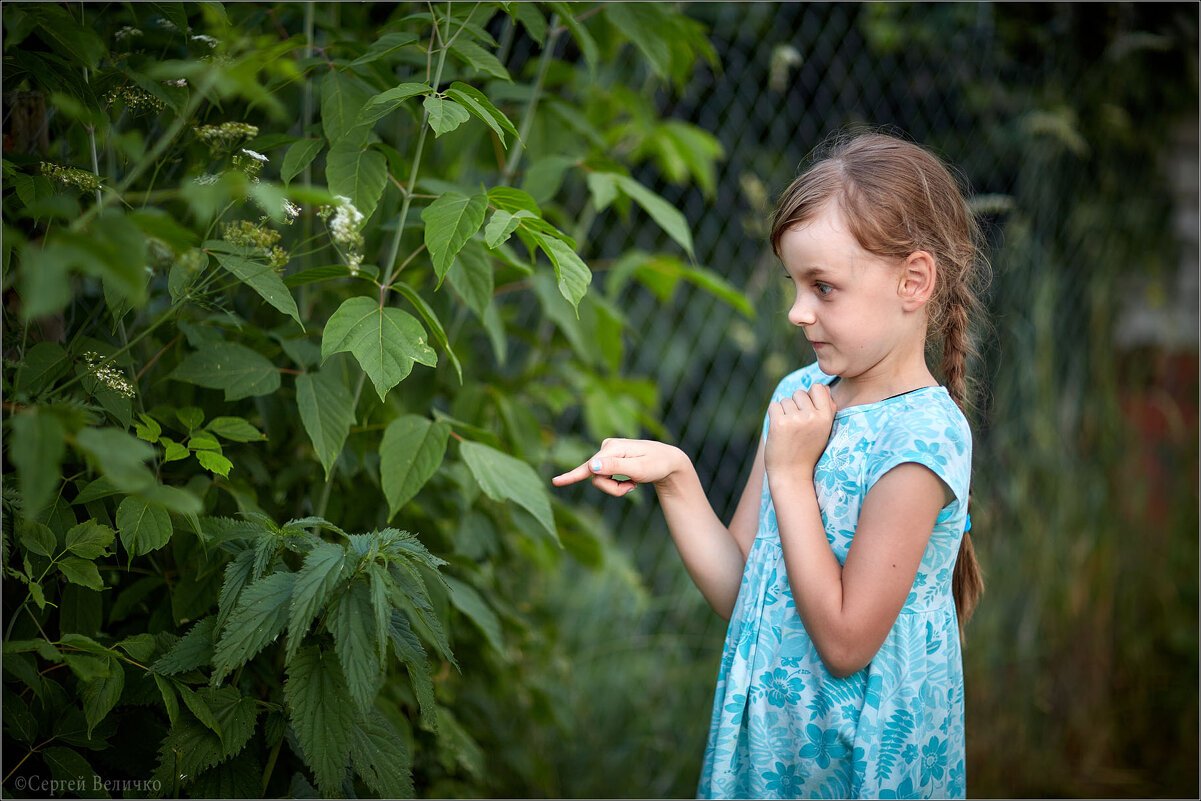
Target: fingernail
x=595, y=464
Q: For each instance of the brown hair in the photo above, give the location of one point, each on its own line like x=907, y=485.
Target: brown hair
x=898, y=198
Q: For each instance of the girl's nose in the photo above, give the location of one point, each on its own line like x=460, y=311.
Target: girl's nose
x=801, y=313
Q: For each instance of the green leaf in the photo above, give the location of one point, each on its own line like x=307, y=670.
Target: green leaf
x=408, y=650
x=214, y=463
x=444, y=115
x=148, y=430
x=261, y=614
x=166, y=689
x=36, y=450
x=327, y=412
x=667, y=216
x=642, y=23
x=384, y=46
x=504, y=478
x=385, y=341
x=90, y=539
x=583, y=39
x=73, y=771
x=358, y=172
x=457, y=746
x=380, y=757
x=512, y=199
x=263, y=279
x=341, y=98
x=479, y=105
x=503, y=224
x=573, y=274
x=237, y=576
x=323, y=568
x=100, y=695
x=603, y=189
x=198, y=707
x=191, y=651
x=322, y=714
x=450, y=221
x=44, y=363
x=471, y=276
x=237, y=369
x=235, y=715
x=188, y=750
x=173, y=451
x=38, y=538
x=468, y=601
x=235, y=429
x=386, y=102
x=529, y=16
x=410, y=452
x=81, y=572
x=157, y=223
x=350, y=621
x=144, y=527
x=480, y=59
x=298, y=156
x=432, y=321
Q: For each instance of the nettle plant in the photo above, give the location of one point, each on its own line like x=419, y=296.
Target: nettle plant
x=295, y=321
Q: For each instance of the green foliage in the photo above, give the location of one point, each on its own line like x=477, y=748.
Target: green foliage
x=203, y=269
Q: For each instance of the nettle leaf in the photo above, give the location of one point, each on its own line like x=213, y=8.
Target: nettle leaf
x=237, y=576
x=188, y=750
x=235, y=715
x=191, y=651
x=385, y=341
x=479, y=105
x=386, y=102
x=358, y=172
x=444, y=115
x=380, y=757
x=322, y=714
x=504, y=478
x=323, y=569
x=351, y=623
x=573, y=274
x=450, y=221
x=263, y=279
x=327, y=412
x=237, y=369
x=261, y=614
x=410, y=452
x=144, y=527
x=408, y=650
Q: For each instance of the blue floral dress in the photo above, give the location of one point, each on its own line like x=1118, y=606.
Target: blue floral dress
x=783, y=726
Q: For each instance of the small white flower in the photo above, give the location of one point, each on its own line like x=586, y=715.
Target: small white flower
x=167, y=24
x=208, y=40
x=291, y=210
x=180, y=82
x=126, y=32
x=255, y=154
x=207, y=179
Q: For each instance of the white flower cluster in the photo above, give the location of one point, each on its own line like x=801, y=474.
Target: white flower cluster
x=71, y=176
x=208, y=40
x=126, y=32
x=225, y=136
x=179, y=82
x=108, y=376
x=137, y=100
x=344, y=230
x=291, y=211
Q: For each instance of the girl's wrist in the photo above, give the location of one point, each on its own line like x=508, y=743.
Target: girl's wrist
x=680, y=467
x=792, y=477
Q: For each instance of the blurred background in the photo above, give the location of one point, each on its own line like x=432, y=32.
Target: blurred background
x=1076, y=127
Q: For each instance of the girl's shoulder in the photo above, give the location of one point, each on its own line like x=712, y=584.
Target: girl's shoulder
x=804, y=378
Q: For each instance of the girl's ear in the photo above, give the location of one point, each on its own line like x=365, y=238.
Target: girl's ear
x=918, y=276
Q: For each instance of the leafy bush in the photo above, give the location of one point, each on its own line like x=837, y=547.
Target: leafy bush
x=262, y=575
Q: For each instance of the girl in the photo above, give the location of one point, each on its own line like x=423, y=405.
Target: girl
x=847, y=558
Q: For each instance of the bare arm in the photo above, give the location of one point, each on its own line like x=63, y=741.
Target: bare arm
x=713, y=554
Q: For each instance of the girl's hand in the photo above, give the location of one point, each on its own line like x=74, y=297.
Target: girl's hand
x=637, y=461
x=798, y=430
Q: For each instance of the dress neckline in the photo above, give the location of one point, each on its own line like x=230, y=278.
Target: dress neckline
x=864, y=407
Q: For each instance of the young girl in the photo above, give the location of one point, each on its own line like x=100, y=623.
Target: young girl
x=847, y=559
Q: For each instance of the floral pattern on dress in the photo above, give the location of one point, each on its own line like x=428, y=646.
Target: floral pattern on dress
x=782, y=725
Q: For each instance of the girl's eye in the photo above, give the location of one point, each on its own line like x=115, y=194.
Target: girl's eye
x=823, y=289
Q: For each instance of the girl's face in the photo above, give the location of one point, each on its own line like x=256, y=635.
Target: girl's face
x=848, y=300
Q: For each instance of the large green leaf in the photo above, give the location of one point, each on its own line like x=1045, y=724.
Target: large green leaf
x=408, y=650
x=351, y=621
x=237, y=576
x=385, y=341
x=36, y=450
x=410, y=452
x=469, y=601
x=191, y=651
x=144, y=527
x=358, y=172
x=89, y=539
x=471, y=274
x=327, y=412
x=342, y=96
x=322, y=714
x=120, y=456
x=667, y=216
x=479, y=59
x=81, y=571
x=431, y=319
x=237, y=369
x=261, y=614
x=323, y=568
x=44, y=363
x=478, y=104
x=385, y=46
x=263, y=279
x=299, y=155
x=504, y=478
x=100, y=695
x=450, y=221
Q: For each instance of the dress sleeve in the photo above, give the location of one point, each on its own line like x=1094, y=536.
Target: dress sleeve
x=931, y=435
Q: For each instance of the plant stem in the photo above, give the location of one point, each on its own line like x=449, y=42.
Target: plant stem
x=92, y=144
x=527, y=118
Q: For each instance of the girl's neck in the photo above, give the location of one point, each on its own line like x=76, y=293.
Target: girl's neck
x=874, y=386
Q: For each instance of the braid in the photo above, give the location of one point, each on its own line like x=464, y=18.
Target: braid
x=967, y=582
